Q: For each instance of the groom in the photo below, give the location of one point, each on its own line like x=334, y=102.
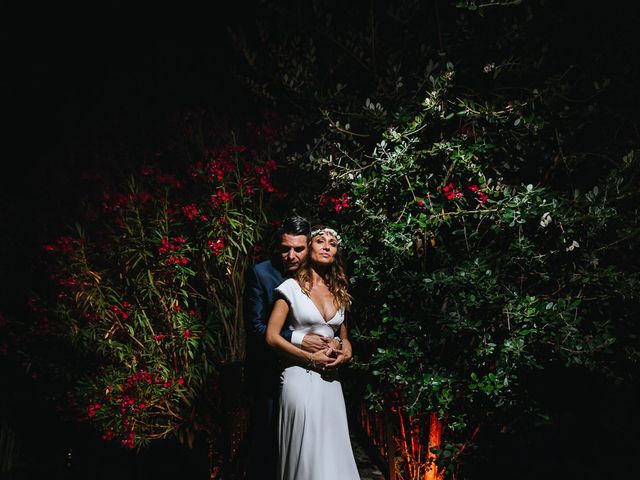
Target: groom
x=263, y=370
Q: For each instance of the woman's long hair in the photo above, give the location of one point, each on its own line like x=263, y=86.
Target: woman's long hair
x=335, y=277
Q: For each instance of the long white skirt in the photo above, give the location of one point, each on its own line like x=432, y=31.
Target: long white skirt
x=313, y=433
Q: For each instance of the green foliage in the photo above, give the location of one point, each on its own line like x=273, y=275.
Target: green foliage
x=450, y=161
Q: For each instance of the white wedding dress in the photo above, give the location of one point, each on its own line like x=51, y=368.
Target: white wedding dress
x=313, y=433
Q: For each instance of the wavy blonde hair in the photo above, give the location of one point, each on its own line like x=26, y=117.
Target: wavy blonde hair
x=335, y=277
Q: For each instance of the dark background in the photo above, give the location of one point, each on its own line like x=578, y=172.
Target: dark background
x=90, y=91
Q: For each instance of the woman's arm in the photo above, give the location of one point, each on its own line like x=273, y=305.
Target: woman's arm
x=346, y=343
x=275, y=340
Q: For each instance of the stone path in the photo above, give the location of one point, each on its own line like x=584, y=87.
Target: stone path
x=367, y=468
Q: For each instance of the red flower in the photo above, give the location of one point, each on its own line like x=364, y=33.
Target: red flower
x=264, y=183
x=171, y=180
x=144, y=197
x=187, y=334
x=480, y=195
x=65, y=244
x=148, y=170
x=221, y=197
x=180, y=381
x=171, y=246
x=173, y=260
x=217, y=246
x=270, y=165
x=121, y=313
x=129, y=441
x=450, y=192
x=191, y=211
x=339, y=203
x=92, y=409
x=195, y=169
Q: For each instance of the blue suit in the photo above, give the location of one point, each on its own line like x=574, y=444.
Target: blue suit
x=262, y=362
x=262, y=366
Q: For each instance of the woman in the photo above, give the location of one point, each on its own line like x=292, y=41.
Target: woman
x=313, y=434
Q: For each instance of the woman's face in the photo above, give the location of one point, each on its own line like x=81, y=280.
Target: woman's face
x=323, y=249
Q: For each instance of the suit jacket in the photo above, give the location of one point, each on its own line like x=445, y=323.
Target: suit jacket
x=262, y=363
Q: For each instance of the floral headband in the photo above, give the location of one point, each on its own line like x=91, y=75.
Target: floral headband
x=329, y=231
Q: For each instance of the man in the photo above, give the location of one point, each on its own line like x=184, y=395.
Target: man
x=263, y=371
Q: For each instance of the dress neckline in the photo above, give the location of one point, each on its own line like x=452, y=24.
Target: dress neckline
x=316, y=307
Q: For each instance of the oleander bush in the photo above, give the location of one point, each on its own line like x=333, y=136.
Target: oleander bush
x=142, y=311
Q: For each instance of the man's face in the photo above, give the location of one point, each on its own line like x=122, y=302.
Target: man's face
x=293, y=251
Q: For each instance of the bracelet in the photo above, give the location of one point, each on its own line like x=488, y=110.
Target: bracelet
x=340, y=342
x=311, y=363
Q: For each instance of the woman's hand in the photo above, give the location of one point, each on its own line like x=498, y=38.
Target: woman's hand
x=339, y=357
x=321, y=359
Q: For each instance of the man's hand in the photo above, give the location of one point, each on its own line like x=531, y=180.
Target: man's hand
x=312, y=342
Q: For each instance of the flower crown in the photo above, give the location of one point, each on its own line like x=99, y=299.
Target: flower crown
x=329, y=231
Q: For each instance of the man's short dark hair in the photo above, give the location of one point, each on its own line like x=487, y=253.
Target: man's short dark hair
x=295, y=225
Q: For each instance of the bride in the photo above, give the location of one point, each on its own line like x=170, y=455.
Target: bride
x=313, y=435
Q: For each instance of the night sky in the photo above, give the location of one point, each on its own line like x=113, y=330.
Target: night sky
x=89, y=93
x=111, y=78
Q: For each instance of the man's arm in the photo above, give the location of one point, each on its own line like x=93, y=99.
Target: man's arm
x=255, y=303
x=255, y=316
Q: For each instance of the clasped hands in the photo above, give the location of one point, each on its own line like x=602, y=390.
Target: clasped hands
x=326, y=352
